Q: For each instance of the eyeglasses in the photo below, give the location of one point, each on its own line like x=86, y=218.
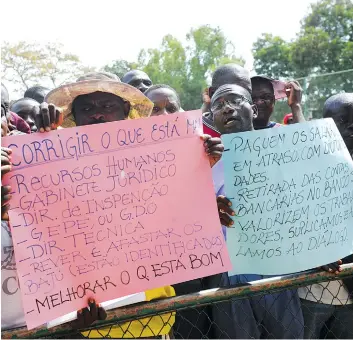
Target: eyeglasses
x=233, y=102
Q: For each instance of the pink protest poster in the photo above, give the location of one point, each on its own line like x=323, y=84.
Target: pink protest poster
x=109, y=210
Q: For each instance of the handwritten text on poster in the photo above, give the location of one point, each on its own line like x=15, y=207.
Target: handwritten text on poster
x=292, y=190
x=112, y=209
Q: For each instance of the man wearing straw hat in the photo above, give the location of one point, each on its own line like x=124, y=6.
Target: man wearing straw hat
x=101, y=98
x=94, y=98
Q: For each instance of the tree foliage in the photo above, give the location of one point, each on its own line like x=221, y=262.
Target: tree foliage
x=323, y=45
x=272, y=56
x=187, y=67
x=26, y=64
x=207, y=49
x=119, y=67
x=21, y=63
x=60, y=67
x=166, y=64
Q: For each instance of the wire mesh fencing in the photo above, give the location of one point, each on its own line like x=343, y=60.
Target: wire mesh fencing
x=312, y=304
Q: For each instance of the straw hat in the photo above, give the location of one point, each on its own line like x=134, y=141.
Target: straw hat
x=63, y=96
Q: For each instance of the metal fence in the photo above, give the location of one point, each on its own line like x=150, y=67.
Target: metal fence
x=267, y=309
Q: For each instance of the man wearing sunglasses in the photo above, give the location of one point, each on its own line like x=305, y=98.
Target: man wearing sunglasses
x=263, y=96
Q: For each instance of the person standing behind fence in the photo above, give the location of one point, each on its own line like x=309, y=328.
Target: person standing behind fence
x=225, y=74
x=16, y=124
x=85, y=103
x=37, y=93
x=263, y=95
x=276, y=315
x=138, y=79
x=165, y=100
x=26, y=108
x=328, y=306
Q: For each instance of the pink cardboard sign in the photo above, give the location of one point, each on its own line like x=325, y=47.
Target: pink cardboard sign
x=109, y=210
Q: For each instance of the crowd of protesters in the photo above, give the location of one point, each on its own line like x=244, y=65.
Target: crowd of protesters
x=233, y=103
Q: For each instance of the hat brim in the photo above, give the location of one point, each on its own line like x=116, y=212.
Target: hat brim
x=63, y=96
x=262, y=77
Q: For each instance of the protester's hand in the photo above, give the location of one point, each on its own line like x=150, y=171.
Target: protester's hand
x=5, y=190
x=213, y=148
x=225, y=211
x=47, y=117
x=334, y=267
x=294, y=93
x=85, y=316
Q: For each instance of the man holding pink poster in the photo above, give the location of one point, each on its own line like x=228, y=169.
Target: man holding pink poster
x=80, y=218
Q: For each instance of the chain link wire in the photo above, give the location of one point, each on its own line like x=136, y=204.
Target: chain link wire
x=260, y=310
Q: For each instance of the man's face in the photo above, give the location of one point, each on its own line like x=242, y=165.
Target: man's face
x=138, y=79
x=165, y=101
x=263, y=97
x=98, y=107
x=232, y=113
x=343, y=118
x=26, y=109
